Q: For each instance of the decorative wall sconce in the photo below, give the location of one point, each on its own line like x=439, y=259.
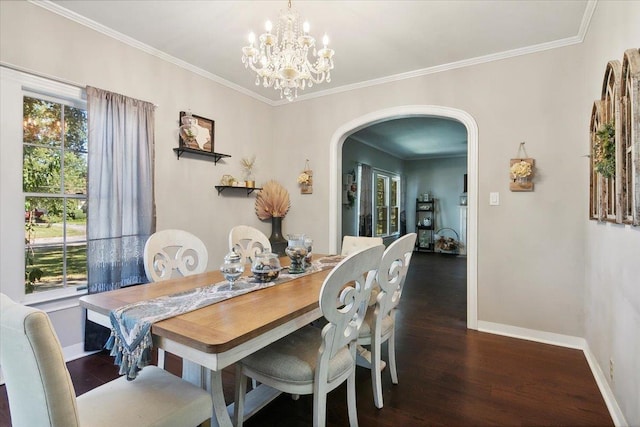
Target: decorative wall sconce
x=521, y=171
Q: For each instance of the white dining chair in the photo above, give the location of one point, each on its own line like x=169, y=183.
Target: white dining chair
x=248, y=241
x=379, y=323
x=351, y=244
x=313, y=360
x=41, y=393
x=168, y=253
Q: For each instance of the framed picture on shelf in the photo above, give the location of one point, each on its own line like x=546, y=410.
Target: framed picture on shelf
x=196, y=132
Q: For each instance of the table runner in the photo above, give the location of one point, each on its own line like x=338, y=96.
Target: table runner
x=130, y=341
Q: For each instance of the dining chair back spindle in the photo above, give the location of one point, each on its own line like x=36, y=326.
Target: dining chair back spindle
x=247, y=242
x=379, y=323
x=313, y=360
x=41, y=392
x=174, y=252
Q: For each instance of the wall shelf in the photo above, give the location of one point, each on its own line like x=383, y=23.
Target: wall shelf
x=216, y=156
x=249, y=190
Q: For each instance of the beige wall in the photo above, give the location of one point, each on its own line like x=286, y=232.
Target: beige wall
x=612, y=286
x=532, y=249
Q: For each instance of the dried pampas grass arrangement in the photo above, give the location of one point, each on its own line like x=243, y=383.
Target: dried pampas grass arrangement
x=272, y=201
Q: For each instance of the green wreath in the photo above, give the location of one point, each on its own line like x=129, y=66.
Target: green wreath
x=604, y=149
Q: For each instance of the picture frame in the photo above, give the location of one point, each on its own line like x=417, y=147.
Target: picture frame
x=204, y=140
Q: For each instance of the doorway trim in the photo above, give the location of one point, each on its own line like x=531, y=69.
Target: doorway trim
x=335, y=176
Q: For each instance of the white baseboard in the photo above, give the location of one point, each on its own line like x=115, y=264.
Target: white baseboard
x=566, y=341
x=532, y=335
x=605, y=389
x=75, y=351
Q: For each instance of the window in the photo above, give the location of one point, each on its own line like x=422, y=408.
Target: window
x=386, y=204
x=615, y=187
x=54, y=182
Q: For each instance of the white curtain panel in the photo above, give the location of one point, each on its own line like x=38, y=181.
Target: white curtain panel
x=121, y=214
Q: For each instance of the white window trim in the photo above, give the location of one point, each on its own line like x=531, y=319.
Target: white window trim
x=13, y=86
x=391, y=176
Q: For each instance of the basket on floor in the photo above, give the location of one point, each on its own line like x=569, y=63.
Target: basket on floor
x=447, y=241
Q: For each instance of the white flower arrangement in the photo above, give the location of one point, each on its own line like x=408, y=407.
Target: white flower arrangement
x=520, y=169
x=304, y=178
x=247, y=164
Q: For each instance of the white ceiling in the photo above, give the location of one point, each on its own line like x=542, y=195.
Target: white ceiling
x=375, y=41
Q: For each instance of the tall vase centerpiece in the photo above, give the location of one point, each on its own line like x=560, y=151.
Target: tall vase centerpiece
x=272, y=203
x=278, y=242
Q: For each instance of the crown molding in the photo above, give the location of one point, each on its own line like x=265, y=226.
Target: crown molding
x=53, y=7
x=579, y=38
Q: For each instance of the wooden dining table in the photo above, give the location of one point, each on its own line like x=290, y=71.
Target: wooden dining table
x=214, y=337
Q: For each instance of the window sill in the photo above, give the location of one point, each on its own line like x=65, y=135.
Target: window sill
x=58, y=299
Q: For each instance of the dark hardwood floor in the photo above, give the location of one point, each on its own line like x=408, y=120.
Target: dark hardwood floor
x=448, y=375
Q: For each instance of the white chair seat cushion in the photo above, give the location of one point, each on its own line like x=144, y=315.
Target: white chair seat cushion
x=365, y=329
x=293, y=358
x=155, y=396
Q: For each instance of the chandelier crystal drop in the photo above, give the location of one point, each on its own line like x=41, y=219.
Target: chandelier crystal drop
x=282, y=59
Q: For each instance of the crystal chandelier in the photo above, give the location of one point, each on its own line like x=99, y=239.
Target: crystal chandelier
x=282, y=60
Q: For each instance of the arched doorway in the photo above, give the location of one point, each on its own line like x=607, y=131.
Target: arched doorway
x=335, y=174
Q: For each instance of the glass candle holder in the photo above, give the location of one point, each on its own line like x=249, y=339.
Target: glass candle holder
x=296, y=251
x=266, y=267
x=232, y=268
x=308, y=243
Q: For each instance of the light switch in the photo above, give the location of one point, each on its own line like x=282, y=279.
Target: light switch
x=494, y=199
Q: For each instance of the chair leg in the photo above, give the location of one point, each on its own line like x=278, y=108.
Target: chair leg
x=320, y=406
x=376, y=376
x=351, y=399
x=241, y=389
x=392, y=356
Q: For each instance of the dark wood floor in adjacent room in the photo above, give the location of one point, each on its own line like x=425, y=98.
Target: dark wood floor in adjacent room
x=449, y=375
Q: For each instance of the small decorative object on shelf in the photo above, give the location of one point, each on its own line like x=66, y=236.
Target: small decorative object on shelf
x=521, y=171
x=196, y=137
x=227, y=180
x=247, y=165
x=305, y=179
x=189, y=130
x=196, y=132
